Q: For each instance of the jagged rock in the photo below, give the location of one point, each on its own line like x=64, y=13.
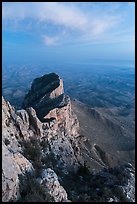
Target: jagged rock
x=122, y=180
x=60, y=124
x=23, y=115
x=49, y=180
x=129, y=189
x=64, y=153
x=34, y=121
x=13, y=162
x=20, y=125
x=46, y=94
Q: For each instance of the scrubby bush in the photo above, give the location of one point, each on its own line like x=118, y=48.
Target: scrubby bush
x=120, y=194
x=44, y=144
x=49, y=160
x=32, y=151
x=83, y=170
x=31, y=190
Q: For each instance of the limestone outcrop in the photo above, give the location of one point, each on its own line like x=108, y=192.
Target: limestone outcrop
x=49, y=180
x=61, y=134
x=13, y=162
x=60, y=124
x=19, y=126
x=46, y=93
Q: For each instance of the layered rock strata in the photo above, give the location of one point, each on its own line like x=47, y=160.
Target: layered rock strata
x=46, y=94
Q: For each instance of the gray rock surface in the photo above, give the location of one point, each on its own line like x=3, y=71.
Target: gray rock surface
x=46, y=93
x=129, y=189
x=49, y=180
x=13, y=162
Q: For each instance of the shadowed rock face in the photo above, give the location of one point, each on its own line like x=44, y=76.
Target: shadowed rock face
x=46, y=94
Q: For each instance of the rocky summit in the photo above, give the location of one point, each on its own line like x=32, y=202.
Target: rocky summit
x=46, y=94
x=44, y=154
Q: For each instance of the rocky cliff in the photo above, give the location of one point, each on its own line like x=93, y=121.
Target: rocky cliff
x=43, y=150
x=46, y=94
x=55, y=126
x=60, y=125
x=19, y=127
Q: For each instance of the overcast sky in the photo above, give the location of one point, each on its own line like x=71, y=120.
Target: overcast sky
x=64, y=31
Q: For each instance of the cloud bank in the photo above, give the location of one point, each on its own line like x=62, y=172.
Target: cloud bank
x=52, y=19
